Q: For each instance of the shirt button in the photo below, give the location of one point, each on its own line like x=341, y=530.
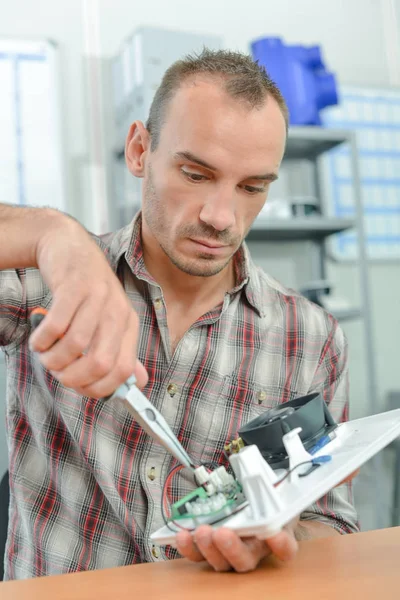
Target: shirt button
x=151, y=473
x=155, y=551
x=172, y=389
x=261, y=396
x=158, y=303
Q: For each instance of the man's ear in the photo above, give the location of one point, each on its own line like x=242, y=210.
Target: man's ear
x=136, y=148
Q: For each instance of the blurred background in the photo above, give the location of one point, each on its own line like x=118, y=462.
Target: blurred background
x=74, y=75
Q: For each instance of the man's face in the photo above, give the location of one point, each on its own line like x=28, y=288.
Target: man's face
x=209, y=177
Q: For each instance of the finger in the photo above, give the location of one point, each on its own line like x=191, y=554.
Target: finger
x=141, y=375
x=126, y=364
x=100, y=376
x=283, y=545
x=203, y=537
x=77, y=338
x=186, y=546
x=243, y=555
x=102, y=365
x=111, y=382
x=56, y=322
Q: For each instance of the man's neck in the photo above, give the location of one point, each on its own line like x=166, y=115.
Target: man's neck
x=182, y=288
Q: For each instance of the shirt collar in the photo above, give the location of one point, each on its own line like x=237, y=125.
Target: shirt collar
x=127, y=242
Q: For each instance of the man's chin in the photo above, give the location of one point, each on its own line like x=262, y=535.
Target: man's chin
x=201, y=267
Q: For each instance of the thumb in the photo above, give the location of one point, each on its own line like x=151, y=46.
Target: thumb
x=141, y=375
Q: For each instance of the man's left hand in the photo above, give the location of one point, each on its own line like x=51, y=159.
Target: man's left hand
x=224, y=550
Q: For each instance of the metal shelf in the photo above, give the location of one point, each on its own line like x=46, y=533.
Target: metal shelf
x=296, y=229
x=310, y=142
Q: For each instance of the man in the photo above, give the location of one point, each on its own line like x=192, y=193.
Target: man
x=217, y=340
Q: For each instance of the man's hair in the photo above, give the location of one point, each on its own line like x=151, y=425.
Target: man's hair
x=242, y=78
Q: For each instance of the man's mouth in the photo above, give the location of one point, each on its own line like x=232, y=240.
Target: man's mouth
x=209, y=246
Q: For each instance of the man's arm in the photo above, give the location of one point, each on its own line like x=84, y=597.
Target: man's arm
x=20, y=284
x=90, y=312
x=21, y=230
x=308, y=530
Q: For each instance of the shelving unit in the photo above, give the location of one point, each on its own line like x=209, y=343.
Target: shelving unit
x=311, y=142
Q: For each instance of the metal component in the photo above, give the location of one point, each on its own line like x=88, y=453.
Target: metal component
x=150, y=419
x=151, y=474
x=261, y=396
x=298, y=229
x=172, y=389
x=234, y=446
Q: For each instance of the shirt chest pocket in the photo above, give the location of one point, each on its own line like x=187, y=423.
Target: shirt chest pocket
x=239, y=402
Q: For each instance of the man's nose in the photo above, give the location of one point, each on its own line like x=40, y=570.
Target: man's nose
x=219, y=209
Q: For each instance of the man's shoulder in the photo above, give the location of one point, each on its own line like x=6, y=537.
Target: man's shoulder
x=291, y=309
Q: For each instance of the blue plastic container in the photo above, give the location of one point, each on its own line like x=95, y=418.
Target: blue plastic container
x=300, y=74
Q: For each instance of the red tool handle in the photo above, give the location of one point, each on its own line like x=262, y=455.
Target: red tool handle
x=37, y=316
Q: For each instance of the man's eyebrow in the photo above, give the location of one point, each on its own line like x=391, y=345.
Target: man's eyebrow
x=267, y=177
x=186, y=155
x=194, y=159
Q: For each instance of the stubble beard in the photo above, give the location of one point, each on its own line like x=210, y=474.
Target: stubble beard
x=205, y=265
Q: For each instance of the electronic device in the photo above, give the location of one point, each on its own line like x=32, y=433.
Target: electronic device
x=282, y=471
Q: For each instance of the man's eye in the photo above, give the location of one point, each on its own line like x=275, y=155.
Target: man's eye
x=253, y=190
x=193, y=176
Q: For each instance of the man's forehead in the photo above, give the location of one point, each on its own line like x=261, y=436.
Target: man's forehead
x=205, y=96
x=196, y=88
x=203, y=118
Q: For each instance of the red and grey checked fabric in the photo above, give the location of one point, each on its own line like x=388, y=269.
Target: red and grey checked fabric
x=81, y=495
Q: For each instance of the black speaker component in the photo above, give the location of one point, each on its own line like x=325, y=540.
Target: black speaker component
x=266, y=431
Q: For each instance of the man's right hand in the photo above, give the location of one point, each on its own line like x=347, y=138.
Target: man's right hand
x=88, y=339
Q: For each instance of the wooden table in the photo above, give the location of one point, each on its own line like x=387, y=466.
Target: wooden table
x=364, y=565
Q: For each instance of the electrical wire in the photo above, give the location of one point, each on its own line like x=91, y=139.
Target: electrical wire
x=316, y=462
x=164, y=496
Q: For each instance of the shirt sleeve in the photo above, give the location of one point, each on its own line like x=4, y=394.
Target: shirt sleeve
x=21, y=290
x=336, y=508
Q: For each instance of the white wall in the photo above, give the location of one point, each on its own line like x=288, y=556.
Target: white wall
x=349, y=30
x=354, y=44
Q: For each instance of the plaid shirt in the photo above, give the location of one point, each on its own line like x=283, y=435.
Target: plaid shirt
x=85, y=479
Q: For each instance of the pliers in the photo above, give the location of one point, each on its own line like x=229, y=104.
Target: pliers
x=142, y=410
